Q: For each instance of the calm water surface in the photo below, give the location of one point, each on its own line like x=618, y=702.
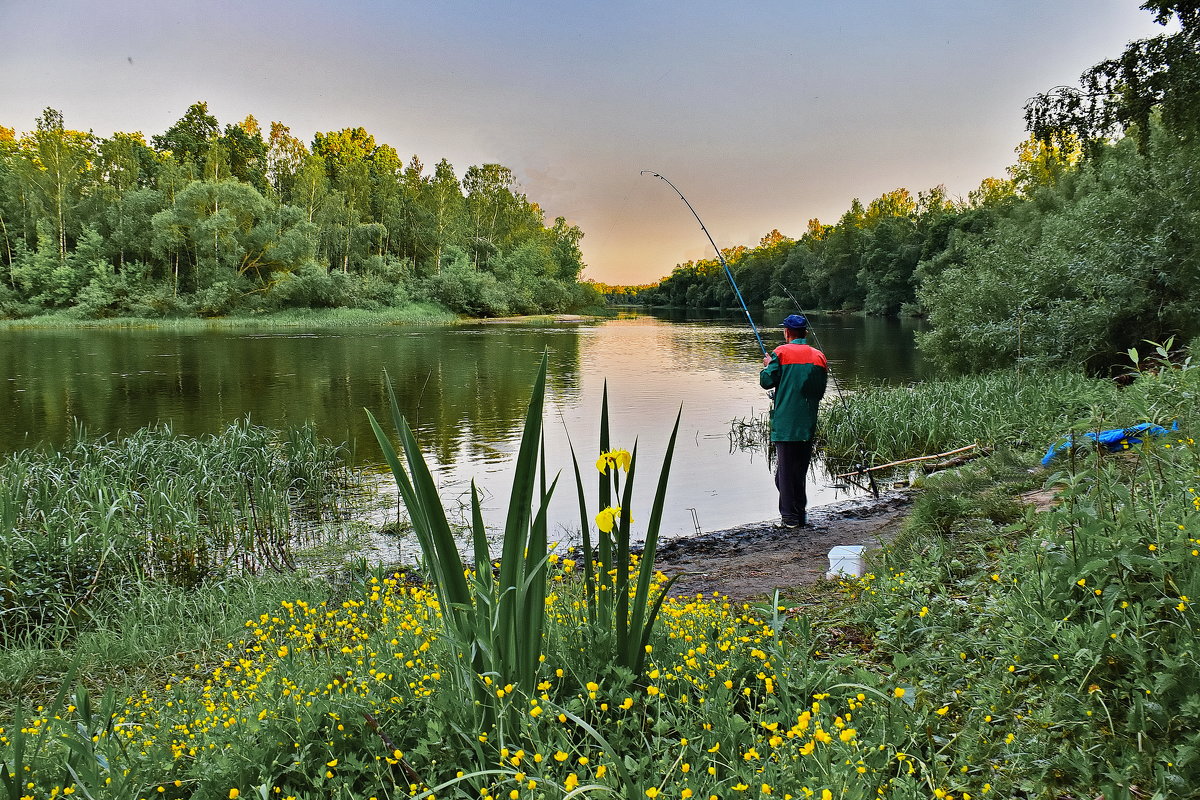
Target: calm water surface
x=463, y=388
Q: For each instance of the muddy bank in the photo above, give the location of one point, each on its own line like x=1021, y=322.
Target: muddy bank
x=753, y=560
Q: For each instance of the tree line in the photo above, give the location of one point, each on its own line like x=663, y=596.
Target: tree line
x=1087, y=247
x=205, y=220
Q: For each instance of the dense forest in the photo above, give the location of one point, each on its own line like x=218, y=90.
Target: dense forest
x=204, y=220
x=1089, y=245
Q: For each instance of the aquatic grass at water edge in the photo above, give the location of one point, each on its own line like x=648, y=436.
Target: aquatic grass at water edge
x=1001, y=408
x=101, y=516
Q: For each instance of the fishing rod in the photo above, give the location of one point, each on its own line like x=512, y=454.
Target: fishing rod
x=862, y=449
x=720, y=257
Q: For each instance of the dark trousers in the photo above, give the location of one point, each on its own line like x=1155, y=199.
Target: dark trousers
x=791, y=471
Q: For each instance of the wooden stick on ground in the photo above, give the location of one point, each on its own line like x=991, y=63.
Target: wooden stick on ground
x=907, y=461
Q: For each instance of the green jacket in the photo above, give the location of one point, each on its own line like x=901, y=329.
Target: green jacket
x=797, y=373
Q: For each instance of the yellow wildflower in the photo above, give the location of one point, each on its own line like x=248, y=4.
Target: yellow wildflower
x=617, y=459
x=607, y=519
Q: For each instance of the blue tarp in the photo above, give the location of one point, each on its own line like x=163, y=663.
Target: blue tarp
x=1112, y=440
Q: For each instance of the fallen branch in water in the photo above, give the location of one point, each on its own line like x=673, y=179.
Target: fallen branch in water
x=907, y=461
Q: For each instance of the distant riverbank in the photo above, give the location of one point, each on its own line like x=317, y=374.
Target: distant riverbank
x=412, y=314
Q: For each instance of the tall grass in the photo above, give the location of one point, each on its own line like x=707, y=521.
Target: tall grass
x=100, y=516
x=996, y=408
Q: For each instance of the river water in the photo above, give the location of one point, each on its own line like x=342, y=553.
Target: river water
x=464, y=389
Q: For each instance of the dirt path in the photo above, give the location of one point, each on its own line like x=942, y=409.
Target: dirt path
x=753, y=560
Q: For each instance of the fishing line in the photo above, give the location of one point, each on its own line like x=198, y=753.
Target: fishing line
x=720, y=257
x=753, y=327
x=862, y=448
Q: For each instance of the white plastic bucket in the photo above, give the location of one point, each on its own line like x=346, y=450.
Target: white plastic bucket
x=845, y=561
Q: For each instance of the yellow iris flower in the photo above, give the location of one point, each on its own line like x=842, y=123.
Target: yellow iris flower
x=608, y=518
x=617, y=459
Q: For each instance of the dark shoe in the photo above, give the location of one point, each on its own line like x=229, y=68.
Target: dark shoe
x=791, y=524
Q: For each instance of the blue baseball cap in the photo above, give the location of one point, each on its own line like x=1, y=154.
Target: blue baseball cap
x=794, y=321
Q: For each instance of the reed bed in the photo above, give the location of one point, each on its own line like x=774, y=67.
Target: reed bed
x=1004, y=408
x=102, y=515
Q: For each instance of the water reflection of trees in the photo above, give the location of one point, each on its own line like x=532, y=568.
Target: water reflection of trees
x=870, y=350
x=861, y=349
x=461, y=387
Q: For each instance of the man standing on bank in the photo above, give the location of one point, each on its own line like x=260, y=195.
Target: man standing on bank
x=797, y=372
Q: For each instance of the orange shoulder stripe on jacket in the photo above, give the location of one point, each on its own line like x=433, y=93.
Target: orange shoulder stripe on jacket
x=801, y=354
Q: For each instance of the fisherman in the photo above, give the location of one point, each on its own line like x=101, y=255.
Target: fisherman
x=797, y=372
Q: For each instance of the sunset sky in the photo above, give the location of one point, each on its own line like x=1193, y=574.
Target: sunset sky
x=765, y=114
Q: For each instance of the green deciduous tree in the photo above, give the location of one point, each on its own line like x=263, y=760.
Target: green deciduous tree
x=125, y=169
x=445, y=222
x=247, y=152
x=1108, y=260
x=285, y=156
x=497, y=212
x=1162, y=72
x=57, y=166
x=189, y=139
x=341, y=149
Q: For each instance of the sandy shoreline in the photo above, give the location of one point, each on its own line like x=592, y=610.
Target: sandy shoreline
x=755, y=559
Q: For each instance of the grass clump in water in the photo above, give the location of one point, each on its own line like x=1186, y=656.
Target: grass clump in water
x=102, y=516
x=993, y=409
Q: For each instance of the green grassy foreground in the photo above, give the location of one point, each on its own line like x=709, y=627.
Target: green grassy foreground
x=993, y=651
